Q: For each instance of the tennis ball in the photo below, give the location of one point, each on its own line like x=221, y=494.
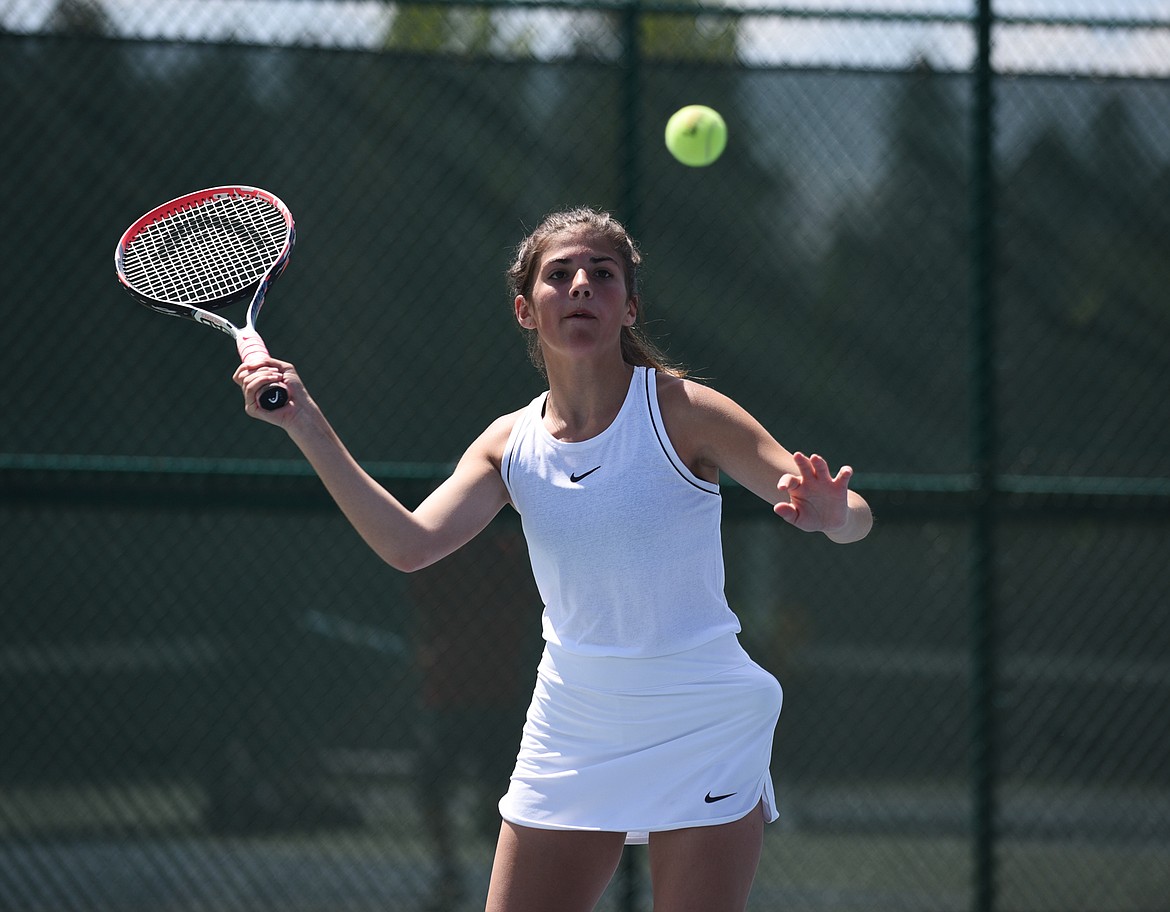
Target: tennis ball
x=696, y=135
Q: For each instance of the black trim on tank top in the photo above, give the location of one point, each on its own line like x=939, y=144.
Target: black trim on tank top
x=663, y=437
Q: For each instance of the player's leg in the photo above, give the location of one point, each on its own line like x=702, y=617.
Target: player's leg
x=539, y=870
x=706, y=869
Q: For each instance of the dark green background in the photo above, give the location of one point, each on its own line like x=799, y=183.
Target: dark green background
x=167, y=562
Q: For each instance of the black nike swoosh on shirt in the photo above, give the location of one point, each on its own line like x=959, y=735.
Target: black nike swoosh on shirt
x=576, y=478
x=711, y=799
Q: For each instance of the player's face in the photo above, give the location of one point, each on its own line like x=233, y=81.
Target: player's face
x=579, y=300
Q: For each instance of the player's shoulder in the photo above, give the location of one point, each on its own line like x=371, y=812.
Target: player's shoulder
x=694, y=414
x=686, y=399
x=702, y=422
x=494, y=438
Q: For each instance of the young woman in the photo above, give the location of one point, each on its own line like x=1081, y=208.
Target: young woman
x=648, y=721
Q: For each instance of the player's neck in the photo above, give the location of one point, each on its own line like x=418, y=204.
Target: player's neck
x=584, y=398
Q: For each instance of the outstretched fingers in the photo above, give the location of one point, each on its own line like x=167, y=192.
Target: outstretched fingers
x=843, y=476
x=814, y=495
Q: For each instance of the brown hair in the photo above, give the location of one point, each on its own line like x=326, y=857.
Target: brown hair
x=637, y=348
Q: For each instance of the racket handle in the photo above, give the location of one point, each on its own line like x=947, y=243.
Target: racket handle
x=252, y=351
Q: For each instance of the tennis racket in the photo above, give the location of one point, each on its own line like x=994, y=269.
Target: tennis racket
x=205, y=251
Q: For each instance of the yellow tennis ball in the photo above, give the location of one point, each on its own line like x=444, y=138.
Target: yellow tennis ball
x=696, y=135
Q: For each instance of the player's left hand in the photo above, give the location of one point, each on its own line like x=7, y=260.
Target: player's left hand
x=818, y=501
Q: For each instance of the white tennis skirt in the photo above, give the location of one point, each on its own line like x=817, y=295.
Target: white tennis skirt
x=640, y=745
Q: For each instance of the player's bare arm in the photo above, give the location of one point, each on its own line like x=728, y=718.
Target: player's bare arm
x=453, y=514
x=713, y=434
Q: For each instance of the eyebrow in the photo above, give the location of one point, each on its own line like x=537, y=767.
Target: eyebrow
x=596, y=259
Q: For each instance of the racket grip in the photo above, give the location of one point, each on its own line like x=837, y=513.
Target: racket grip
x=252, y=351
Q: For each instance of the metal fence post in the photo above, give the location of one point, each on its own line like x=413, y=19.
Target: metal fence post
x=983, y=438
x=631, y=75
x=629, y=184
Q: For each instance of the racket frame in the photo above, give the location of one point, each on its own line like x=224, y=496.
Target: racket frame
x=249, y=344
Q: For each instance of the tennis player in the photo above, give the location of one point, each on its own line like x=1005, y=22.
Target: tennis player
x=648, y=721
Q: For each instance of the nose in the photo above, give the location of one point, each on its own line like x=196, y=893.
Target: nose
x=580, y=287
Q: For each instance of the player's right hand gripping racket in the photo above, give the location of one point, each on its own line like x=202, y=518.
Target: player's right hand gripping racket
x=204, y=251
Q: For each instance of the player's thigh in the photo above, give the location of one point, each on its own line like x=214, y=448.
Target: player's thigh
x=706, y=869
x=540, y=870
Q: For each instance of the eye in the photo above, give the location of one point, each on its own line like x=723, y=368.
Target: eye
x=557, y=275
x=603, y=273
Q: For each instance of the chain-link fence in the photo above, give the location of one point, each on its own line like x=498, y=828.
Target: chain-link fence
x=934, y=248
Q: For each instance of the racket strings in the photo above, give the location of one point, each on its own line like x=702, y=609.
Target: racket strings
x=206, y=253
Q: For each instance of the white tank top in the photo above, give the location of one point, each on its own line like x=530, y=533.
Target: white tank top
x=624, y=539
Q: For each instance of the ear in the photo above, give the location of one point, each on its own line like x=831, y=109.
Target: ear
x=524, y=313
x=631, y=316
